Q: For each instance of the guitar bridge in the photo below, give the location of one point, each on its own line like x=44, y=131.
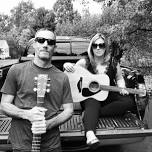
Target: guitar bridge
x=79, y=85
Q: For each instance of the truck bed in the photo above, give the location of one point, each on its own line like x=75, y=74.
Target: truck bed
x=111, y=130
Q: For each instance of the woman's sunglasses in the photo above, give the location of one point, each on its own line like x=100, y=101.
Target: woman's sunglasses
x=42, y=40
x=101, y=45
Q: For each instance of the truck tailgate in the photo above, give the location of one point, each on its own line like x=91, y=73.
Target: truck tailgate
x=111, y=130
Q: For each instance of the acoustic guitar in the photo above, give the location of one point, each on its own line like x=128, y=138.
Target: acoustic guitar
x=41, y=89
x=85, y=85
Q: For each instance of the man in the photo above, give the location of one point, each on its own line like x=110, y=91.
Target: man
x=19, y=99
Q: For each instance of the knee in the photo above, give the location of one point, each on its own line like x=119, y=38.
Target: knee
x=93, y=103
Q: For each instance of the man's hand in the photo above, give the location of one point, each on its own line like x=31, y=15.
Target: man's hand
x=36, y=114
x=39, y=127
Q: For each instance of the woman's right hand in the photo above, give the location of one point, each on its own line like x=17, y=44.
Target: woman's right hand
x=69, y=67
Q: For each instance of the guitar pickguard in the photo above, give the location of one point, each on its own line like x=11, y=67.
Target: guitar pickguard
x=87, y=93
x=84, y=91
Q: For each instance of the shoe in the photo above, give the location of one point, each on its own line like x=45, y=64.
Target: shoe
x=94, y=144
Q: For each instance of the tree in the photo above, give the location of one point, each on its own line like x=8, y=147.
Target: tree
x=64, y=11
x=20, y=12
x=5, y=24
x=49, y=20
x=129, y=22
x=12, y=38
x=85, y=9
x=22, y=24
x=44, y=18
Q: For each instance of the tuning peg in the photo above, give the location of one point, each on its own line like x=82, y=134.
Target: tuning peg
x=47, y=90
x=35, y=89
x=48, y=79
x=35, y=78
x=48, y=85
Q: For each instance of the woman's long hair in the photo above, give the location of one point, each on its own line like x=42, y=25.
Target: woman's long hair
x=107, y=49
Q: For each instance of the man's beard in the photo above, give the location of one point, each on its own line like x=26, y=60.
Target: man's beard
x=45, y=57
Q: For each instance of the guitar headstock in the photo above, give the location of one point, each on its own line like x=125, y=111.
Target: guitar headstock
x=148, y=84
x=42, y=85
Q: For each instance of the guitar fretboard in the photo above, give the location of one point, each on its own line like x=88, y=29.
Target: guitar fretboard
x=36, y=143
x=117, y=89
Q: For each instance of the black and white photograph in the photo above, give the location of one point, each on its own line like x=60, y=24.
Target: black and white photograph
x=76, y=76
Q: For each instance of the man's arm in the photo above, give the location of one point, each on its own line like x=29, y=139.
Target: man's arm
x=8, y=108
x=62, y=117
x=11, y=110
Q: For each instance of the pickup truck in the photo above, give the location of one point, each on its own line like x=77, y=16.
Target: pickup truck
x=128, y=128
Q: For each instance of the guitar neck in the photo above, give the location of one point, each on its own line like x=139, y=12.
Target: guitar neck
x=36, y=142
x=41, y=81
x=118, y=89
x=40, y=101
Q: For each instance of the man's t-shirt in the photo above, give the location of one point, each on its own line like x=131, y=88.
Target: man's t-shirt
x=20, y=82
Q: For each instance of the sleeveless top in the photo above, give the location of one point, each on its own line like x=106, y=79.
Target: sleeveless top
x=111, y=70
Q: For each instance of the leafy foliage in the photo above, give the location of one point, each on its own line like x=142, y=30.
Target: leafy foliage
x=19, y=13
x=43, y=19
x=129, y=23
x=22, y=24
x=64, y=11
x=5, y=23
x=86, y=27
x=126, y=22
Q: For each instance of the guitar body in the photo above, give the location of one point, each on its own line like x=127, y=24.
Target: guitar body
x=87, y=85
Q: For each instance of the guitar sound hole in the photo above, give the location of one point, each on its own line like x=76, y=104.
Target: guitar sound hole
x=94, y=86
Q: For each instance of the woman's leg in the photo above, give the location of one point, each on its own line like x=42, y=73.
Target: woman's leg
x=117, y=106
x=91, y=109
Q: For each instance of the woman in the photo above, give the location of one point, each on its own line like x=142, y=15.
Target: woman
x=99, y=60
